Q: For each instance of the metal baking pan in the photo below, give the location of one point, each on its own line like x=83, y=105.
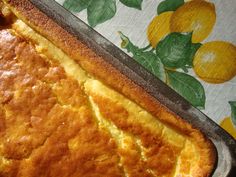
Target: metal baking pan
x=224, y=143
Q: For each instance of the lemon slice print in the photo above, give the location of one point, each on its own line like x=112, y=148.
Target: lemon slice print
x=159, y=28
x=196, y=16
x=215, y=62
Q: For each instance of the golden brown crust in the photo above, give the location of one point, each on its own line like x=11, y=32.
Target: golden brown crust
x=161, y=156
x=41, y=119
x=96, y=66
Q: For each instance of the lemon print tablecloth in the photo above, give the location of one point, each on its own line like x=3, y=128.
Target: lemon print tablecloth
x=188, y=44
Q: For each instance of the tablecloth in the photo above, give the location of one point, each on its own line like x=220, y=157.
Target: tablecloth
x=190, y=45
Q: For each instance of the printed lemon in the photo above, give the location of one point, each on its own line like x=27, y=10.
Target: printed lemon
x=228, y=126
x=159, y=28
x=215, y=62
x=198, y=17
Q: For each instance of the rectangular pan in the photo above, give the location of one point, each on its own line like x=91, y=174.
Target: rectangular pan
x=224, y=143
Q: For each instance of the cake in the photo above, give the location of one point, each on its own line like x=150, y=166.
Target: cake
x=65, y=112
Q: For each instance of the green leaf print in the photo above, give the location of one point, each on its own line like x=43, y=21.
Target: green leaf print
x=147, y=59
x=188, y=87
x=233, y=112
x=100, y=11
x=174, y=50
x=76, y=5
x=133, y=3
x=169, y=5
x=191, y=53
x=152, y=63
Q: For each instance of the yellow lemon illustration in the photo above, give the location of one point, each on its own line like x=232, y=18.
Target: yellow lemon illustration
x=159, y=28
x=215, y=62
x=196, y=16
x=228, y=126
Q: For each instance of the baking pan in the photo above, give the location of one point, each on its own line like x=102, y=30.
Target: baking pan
x=224, y=143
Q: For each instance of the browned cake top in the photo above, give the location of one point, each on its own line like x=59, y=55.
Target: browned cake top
x=48, y=128
x=43, y=112
x=59, y=120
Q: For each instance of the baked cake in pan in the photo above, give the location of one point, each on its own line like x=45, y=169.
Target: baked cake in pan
x=65, y=112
